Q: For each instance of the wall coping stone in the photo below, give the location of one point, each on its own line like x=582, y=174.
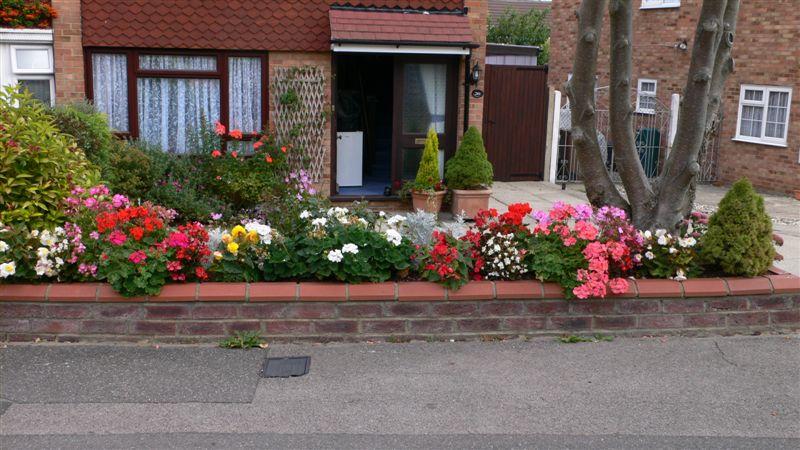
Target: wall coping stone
x=310, y=291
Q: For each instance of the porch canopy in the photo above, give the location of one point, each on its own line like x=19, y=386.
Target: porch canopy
x=400, y=31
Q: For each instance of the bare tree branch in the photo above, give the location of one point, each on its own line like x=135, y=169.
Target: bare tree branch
x=580, y=89
x=638, y=189
x=682, y=166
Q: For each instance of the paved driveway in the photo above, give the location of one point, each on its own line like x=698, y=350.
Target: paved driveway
x=785, y=211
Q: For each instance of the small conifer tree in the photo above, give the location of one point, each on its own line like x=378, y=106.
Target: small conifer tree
x=428, y=172
x=470, y=167
x=739, y=237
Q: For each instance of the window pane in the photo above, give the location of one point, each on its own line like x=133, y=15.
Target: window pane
x=178, y=62
x=753, y=95
x=110, y=87
x=648, y=86
x=425, y=89
x=173, y=110
x=751, y=121
x=647, y=102
x=245, y=94
x=39, y=89
x=33, y=59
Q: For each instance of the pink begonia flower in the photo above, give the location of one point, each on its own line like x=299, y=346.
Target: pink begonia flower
x=117, y=237
x=119, y=200
x=618, y=285
x=177, y=239
x=137, y=257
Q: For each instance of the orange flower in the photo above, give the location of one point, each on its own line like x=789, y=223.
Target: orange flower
x=283, y=149
x=219, y=128
x=269, y=159
x=257, y=144
x=236, y=134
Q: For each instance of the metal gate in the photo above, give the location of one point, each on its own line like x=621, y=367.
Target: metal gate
x=515, y=121
x=652, y=142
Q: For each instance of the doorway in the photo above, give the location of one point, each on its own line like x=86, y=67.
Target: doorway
x=364, y=113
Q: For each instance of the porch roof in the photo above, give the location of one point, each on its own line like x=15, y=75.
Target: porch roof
x=404, y=27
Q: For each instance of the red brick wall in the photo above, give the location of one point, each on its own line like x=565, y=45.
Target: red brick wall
x=68, y=51
x=766, y=52
x=478, y=16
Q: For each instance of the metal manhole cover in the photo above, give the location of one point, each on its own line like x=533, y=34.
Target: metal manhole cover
x=294, y=366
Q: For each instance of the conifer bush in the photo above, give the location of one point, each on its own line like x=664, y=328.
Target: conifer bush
x=428, y=171
x=739, y=237
x=470, y=167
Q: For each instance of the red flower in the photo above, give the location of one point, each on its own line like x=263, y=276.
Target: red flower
x=236, y=134
x=137, y=233
x=283, y=149
x=257, y=144
x=234, y=154
x=216, y=154
x=268, y=159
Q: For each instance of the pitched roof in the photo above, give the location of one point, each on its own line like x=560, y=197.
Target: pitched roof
x=498, y=7
x=399, y=27
x=224, y=25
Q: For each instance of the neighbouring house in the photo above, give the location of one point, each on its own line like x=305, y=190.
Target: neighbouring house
x=760, y=133
x=498, y=7
x=381, y=75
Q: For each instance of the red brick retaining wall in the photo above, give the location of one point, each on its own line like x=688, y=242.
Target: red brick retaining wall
x=400, y=311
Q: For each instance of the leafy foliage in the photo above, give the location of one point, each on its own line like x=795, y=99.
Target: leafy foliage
x=530, y=28
x=26, y=14
x=739, y=236
x=90, y=130
x=244, y=340
x=38, y=164
x=470, y=167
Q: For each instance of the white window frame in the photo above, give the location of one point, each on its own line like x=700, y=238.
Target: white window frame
x=659, y=4
x=639, y=96
x=42, y=77
x=764, y=103
x=16, y=69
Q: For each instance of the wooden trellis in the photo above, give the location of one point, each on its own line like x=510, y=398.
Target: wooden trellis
x=299, y=114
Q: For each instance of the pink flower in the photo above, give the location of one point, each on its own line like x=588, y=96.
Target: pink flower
x=177, y=239
x=137, y=257
x=219, y=128
x=174, y=266
x=119, y=201
x=90, y=202
x=216, y=154
x=236, y=134
x=98, y=190
x=94, y=235
x=618, y=285
x=257, y=144
x=117, y=237
x=586, y=230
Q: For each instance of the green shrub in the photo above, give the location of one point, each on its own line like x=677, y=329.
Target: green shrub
x=130, y=170
x=90, y=130
x=739, y=237
x=470, y=167
x=428, y=171
x=38, y=164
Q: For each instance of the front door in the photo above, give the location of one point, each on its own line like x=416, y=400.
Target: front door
x=424, y=98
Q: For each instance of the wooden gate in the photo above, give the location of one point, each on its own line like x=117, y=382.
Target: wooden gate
x=515, y=121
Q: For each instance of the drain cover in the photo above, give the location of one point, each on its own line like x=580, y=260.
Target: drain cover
x=294, y=366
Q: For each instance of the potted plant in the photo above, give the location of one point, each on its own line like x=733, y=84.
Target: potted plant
x=427, y=190
x=469, y=174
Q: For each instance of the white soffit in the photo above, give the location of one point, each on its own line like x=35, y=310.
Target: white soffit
x=399, y=49
x=25, y=36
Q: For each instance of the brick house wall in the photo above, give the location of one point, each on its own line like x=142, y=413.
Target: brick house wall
x=68, y=51
x=766, y=53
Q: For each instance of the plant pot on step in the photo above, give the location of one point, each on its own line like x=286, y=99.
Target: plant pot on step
x=469, y=201
x=430, y=202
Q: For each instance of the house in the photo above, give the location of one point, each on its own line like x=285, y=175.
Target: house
x=386, y=72
x=760, y=133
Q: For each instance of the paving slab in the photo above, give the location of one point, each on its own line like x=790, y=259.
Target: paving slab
x=128, y=374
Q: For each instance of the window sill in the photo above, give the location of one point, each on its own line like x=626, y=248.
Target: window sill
x=759, y=142
x=648, y=112
x=660, y=7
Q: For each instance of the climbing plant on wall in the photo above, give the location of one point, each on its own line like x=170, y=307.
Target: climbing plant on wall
x=299, y=113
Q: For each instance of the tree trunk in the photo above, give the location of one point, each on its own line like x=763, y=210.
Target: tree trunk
x=580, y=89
x=626, y=156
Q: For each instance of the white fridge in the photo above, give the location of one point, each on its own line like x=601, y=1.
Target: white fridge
x=349, y=158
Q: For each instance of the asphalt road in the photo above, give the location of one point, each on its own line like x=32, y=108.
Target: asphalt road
x=724, y=392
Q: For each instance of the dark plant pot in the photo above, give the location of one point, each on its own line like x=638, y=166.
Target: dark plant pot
x=430, y=202
x=470, y=201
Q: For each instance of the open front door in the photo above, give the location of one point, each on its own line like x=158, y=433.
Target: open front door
x=424, y=97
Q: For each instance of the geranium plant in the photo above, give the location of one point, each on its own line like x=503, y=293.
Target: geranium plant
x=447, y=261
x=500, y=243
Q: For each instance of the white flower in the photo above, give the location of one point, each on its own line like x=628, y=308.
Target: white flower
x=396, y=219
x=496, y=248
x=661, y=232
x=673, y=250
x=3, y=247
x=319, y=222
x=335, y=256
x=662, y=240
x=8, y=269
x=43, y=267
x=363, y=221
x=381, y=214
x=648, y=234
x=687, y=242
x=305, y=215
x=394, y=237
x=42, y=252
x=680, y=275
x=264, y=231
x=59, y=262
x=350, y=248
x=649, y=255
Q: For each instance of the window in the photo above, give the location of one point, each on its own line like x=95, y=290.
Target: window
x=646, y=96
x=168, y=98
x=653, y=4
x=32, y=68
x=763, y=114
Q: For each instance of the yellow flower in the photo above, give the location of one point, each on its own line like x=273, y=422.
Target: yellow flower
x=217, y=255
x=238, y=231
x=233, y=247
x=252, y=236
x=226, y=238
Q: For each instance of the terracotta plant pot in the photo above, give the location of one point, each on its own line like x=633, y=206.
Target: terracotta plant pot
x=430, y=202
x=470, y=201
x=797, y=194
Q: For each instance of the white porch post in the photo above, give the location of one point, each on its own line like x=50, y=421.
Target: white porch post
x=552, y=150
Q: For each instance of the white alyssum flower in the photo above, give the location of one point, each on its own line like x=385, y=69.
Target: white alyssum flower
x=8, y=269
x=3, y=247
x=394, y=237
x=350, y=248
x=319, y=222
x=335, y=256
x=305, y=214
